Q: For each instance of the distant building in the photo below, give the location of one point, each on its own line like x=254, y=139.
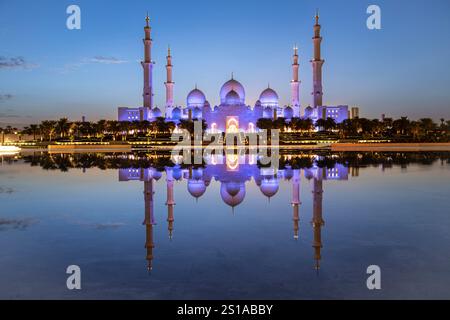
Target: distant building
x=233, y=114
x=354, y=113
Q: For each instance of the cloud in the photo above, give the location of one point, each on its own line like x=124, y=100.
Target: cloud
x=95, y=60
x=16, y=224
x=107, y=60
x=15, y=63
x=6, y=190
x=11, y=115
x=4, y=97
x=108, y=225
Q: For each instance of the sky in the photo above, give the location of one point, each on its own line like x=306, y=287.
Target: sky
x=48, y=71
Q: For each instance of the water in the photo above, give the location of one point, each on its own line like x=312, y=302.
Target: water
x=108, y=215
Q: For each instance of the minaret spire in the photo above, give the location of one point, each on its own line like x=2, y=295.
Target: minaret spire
x=295, y=85
x=317, y=64
x=170, y=201
x=317, y=221
x=147, y=65
x=149, y=222
x=296, y=201
x=169, y=85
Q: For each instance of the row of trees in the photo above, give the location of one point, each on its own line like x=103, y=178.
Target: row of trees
x=63, y=129
x=362, y=127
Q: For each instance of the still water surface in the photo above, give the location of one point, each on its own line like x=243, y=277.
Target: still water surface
x=141, y=228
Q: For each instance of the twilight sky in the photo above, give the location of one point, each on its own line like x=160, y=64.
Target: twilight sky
x=48, y=71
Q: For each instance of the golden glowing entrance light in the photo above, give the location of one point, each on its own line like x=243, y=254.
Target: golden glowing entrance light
x=232, y=125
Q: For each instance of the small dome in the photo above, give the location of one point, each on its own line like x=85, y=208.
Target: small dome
x=229, y=199
x=232, y=85
x=308, y=111
x=196, y=98
x=232, y=98
x=288, y=113
x=269, y=97
x=176, y=113
x=197, y=113
x=268, y=113
x=196, y=188
x=156, y=112
x=269, y=187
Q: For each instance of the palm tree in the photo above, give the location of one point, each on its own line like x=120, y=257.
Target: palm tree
x=62, y=127
x=265, y=124
x=114, y=127
x=401, y=125
x=34, y=128
x=48, y=128
x=321, y=123
x=330, y=124
x=100, y=129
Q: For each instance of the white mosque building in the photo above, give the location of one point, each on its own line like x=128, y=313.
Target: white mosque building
x=233, y=114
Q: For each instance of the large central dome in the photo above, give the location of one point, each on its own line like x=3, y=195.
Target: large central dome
x=232, y=85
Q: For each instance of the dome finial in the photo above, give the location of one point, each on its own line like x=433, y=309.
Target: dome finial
x=168, y=50
x=232, y=75
x=317, y=16
x=147, y=19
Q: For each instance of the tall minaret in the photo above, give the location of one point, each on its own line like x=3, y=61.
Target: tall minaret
x=169, y=86
x=317, y=221
x=149, y=221
x=147, y=65
x=296, y=201
x=295, y=85
x=317, y=64
x=170, y=201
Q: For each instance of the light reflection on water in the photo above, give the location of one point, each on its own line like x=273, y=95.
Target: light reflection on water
x=140, y=227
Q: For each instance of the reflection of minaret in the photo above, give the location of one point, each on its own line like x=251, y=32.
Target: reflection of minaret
x=147, y=65
x=317, y=64
x=295, y=85
x=296, y=201
x=169, y=86
x=170, y=202
x=317, y=221
x=149, y=221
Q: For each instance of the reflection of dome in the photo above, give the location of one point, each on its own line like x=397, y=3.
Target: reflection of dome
x=196, y=188
x=177, y=173
x=233, y=188
x=288, y=113
x=288, y=174
x=197, y=173
x=269, y=187
x=232, y=85
x=267, y=113
x=156, y=175
x=176, y=113
x=196, y=98
x=308, y=174
x=227, y=190
x=232, y=98
x=269, y=97
x=156, y=112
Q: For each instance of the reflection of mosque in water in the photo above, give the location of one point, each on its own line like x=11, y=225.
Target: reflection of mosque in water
x=233, y=176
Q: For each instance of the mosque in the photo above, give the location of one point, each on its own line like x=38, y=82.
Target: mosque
x=233, y=114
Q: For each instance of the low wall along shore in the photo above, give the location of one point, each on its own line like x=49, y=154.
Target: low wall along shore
x=386, y=147
x=70, y=148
